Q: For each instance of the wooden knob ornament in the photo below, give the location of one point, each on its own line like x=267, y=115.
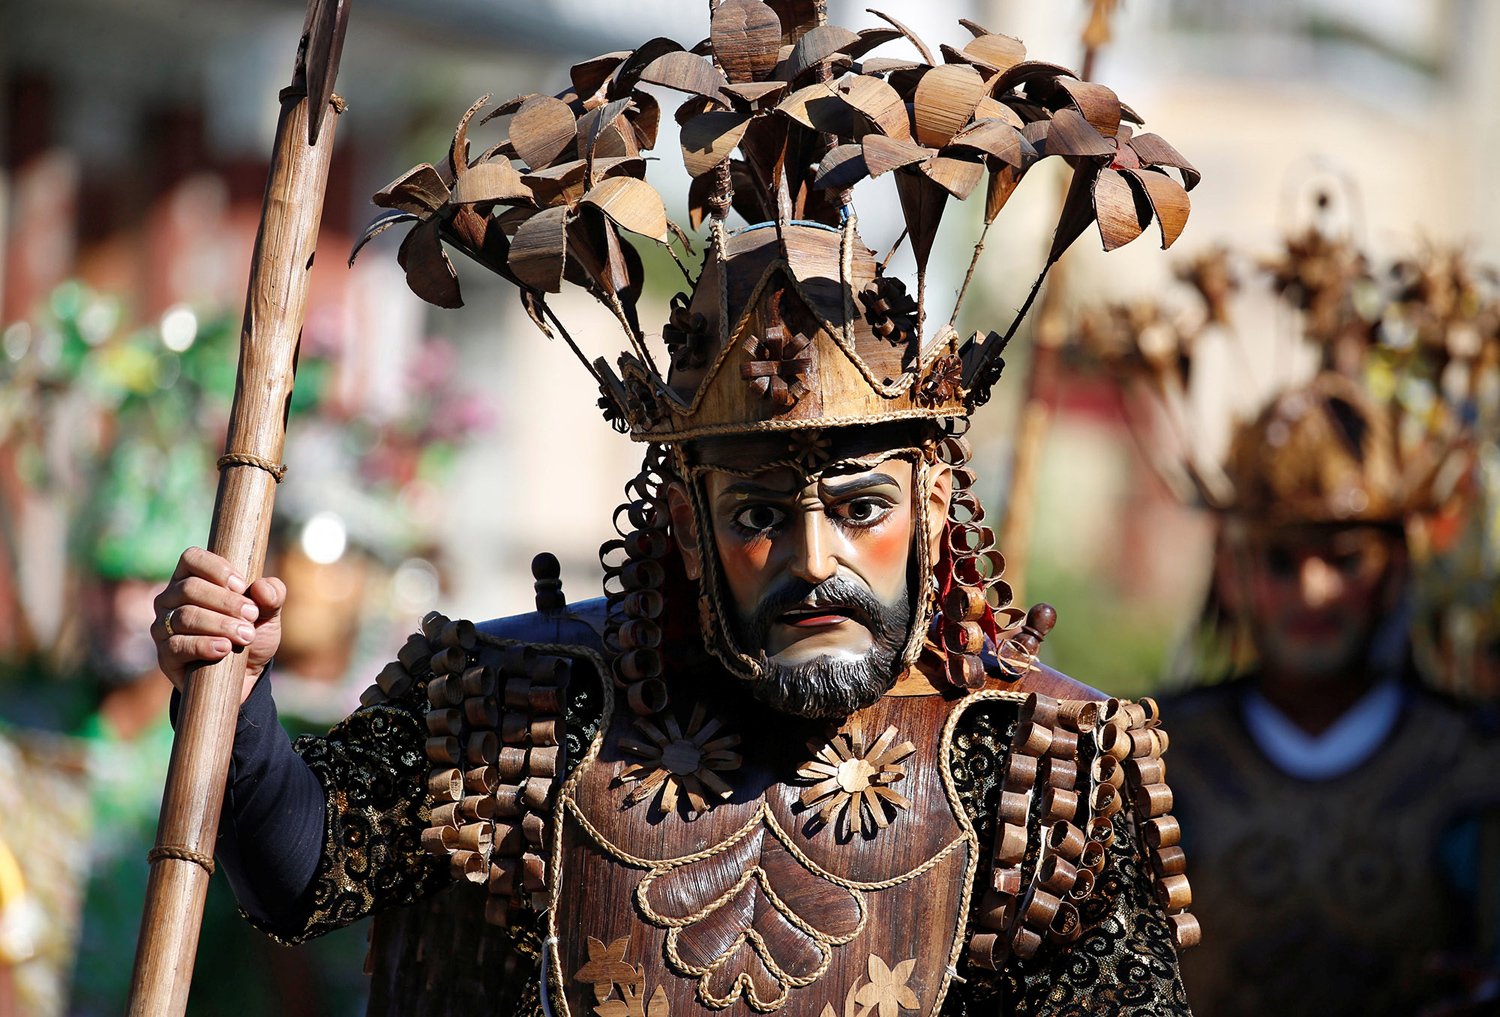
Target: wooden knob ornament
x=482, y=749
x=1161, y=833
x=1170, y=861
x=516, y=660
x=644, y=604
x=1037, y=709
x=966, y=671
x=646, y=697
x=450, y=660
x=1057, y=874
x=1020, y=773
x=1153, y=800
x=1174, y=892
x=1146, y=770
x=481, y=711
x=547, y=584
x=439, y=840
x=479, y=681
x=443, y=749
x=469, y=866
x=1067, y=840
x=480, y=780
x=1015, y=806
x=1185, y=930
x=1032, y=739
x=510, y=840
x=445, y=722
x=1059, y=804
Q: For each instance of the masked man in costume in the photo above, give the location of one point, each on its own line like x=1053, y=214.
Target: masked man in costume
x=1336, y=807
x=800, y=757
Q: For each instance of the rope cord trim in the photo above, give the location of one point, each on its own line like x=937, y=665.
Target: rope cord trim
x=183, y=854
x=277, y=471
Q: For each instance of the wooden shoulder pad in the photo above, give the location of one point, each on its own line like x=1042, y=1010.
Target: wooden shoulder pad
x=1082, y=760
x=495, y=724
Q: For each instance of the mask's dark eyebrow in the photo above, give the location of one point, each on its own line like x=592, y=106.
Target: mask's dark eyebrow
x=832, y=488
x=750, y=489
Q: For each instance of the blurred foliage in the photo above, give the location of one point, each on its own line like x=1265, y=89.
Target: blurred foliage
x=1102, y=639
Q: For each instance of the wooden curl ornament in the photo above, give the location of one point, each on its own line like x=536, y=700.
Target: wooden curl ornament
x=970, y=592
x=494, y=771
x=1076, y=765
x=635, y=574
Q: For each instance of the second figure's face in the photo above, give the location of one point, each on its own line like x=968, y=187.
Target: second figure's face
x=1315, y=595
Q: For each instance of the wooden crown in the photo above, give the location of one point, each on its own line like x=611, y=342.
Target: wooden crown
x=789, y=324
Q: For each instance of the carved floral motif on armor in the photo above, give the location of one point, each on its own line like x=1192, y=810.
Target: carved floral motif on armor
x=778, y=366
x=885, y=994
x=747, y=909
x=851, y=784
x=1124, y=960
x=620, y=987
x=680, y=766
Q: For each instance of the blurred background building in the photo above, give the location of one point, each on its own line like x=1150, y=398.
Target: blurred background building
x=135, y=138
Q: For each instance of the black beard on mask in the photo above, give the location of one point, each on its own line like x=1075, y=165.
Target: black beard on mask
x=827, y=688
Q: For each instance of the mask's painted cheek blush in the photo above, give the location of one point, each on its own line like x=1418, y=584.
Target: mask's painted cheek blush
x=880, y=554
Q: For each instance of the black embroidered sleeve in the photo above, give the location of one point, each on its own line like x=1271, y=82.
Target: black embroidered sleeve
x=372, y=768
x=1123, y=964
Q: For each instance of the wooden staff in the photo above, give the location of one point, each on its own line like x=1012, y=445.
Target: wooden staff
x=275, y=307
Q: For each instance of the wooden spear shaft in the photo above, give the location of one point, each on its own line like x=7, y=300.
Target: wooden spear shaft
x=275, y=308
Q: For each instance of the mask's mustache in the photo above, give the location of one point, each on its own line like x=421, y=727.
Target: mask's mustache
x=837, y=593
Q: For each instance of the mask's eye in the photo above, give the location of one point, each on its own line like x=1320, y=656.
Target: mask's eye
x=1351, y=563
x=759, y=517
x=863, y=511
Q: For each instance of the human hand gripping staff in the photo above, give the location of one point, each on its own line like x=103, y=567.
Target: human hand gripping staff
x=275, y=306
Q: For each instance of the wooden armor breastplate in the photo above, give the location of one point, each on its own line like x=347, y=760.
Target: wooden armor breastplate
x=762, y=903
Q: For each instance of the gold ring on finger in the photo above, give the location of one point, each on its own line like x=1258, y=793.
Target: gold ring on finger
x=166, y=622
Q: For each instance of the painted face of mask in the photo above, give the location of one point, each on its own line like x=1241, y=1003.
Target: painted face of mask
x=818, y=570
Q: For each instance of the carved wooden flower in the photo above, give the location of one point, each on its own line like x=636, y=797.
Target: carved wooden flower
x=810, y=448
x=887, y=991
x=944, y=381
x=779, y=365
x=682, y=765
x=632, y=1003
x=890, y=310
x=850, y=783
x=686, y=335
x=607, y=967
x=642, y=403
